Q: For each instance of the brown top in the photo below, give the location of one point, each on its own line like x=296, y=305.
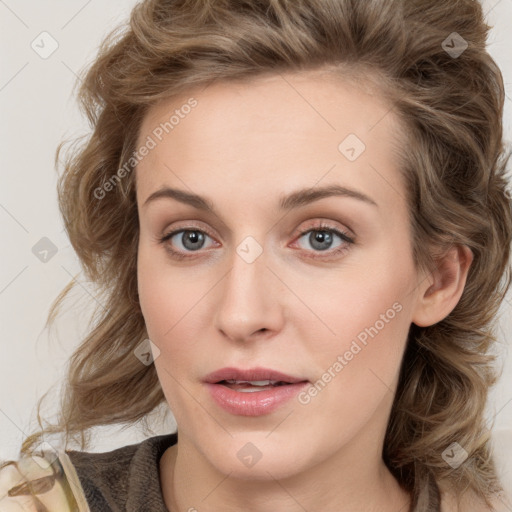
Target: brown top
x=126, y=479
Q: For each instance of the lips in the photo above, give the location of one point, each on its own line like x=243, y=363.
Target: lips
x=252, y=392
x=251, y=375
x=251, y=386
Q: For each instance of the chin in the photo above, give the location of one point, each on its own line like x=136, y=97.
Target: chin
x=258, y=457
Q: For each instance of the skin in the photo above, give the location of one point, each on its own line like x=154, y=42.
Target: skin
x=244, y=146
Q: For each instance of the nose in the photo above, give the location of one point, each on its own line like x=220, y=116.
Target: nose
x=250, y=305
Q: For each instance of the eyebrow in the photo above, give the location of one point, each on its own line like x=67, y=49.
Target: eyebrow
x=292, y=201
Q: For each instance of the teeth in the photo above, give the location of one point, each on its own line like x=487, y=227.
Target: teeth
x=251, y=390
x=254, y=382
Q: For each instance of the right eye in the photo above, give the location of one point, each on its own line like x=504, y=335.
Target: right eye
x=185, y=240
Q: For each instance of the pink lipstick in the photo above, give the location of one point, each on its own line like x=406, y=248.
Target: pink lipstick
x=252, y=392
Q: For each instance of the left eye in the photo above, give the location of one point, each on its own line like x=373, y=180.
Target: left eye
x=323, y=239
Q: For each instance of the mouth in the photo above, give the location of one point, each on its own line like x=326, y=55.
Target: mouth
x=252, y=392
x=255, y=386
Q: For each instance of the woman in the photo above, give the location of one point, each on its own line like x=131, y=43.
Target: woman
x=298, y=214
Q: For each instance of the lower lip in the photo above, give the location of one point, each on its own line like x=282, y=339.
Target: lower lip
x=256, y=403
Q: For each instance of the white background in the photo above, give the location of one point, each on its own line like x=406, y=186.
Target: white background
x=38, y=111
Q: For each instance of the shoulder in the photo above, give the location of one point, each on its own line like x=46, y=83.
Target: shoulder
x=43, y=481
x=123, y=478
x=127, y=478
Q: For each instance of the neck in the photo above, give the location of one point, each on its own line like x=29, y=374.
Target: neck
x=342, y=483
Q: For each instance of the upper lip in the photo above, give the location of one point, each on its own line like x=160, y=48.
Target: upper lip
x=250, y=375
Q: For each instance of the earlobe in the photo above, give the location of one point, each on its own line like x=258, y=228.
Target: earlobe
x=443, y=288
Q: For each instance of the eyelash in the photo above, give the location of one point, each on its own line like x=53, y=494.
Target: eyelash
x=344, y=236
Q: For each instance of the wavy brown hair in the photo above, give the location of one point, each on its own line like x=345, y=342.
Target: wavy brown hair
x=453, y=161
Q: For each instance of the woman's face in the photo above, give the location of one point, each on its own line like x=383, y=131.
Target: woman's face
x=274, y=246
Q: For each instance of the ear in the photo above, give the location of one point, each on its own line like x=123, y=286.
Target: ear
x=442, y=289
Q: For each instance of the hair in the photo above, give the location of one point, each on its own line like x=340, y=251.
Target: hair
x=453, y=161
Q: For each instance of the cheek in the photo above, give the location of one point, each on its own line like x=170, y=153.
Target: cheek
x=167, y=295
x=357, y=370
x=368, y=311
x=165, y=303
x=174, y=304
x=363, y=299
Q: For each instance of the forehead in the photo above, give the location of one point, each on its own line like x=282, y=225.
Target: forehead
x=289, y=130
x=326, y=101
